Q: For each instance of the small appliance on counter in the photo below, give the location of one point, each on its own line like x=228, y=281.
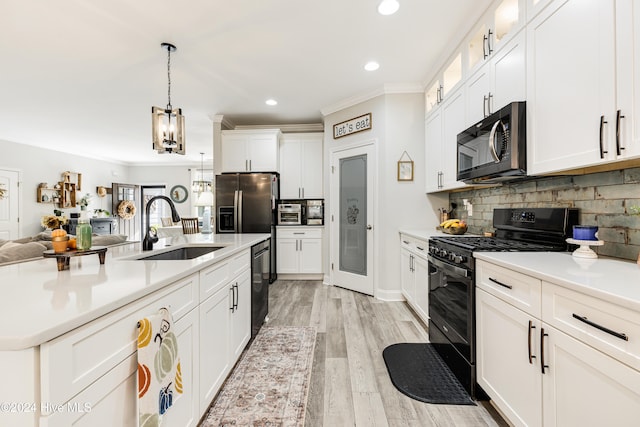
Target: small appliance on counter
x=289, y=213
x=314, y=214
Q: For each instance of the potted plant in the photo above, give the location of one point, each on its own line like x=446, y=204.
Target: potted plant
x=84, y=202
x=101, y=213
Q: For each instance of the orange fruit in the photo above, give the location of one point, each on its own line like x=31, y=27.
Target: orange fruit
x=71, y=244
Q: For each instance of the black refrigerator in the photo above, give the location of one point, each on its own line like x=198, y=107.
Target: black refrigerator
x=246, y=203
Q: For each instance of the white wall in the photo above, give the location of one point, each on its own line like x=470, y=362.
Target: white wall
x=168, y=176
x=39, y=165
x=397, y=125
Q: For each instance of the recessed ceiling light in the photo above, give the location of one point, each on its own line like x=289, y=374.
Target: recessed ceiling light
x=388, y=7
x=271, y=102
x=371, y=66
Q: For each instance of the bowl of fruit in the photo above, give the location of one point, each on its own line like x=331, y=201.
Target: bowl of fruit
x=453, y=226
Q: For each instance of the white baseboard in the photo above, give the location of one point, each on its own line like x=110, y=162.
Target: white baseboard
x=388, y=295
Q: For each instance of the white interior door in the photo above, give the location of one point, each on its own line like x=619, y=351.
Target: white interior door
x=352, y=218
x=9, y=205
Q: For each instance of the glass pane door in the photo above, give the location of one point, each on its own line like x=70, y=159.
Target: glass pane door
x=353, y=214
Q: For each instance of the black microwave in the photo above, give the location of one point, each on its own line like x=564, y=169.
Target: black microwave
x=494, y=149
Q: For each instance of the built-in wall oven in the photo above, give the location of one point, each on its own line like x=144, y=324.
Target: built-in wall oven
x=290, y=214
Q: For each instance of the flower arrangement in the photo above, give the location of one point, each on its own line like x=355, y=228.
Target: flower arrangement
x=84, y=201
x=53, y=222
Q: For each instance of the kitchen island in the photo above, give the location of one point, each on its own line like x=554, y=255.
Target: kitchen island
x=67, y=345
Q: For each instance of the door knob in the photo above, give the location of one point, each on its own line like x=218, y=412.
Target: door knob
x=369, y=227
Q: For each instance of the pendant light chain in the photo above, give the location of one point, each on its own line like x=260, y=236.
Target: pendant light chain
x=169, y=77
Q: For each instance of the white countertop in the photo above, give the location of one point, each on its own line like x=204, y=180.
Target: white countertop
x=613, y=280
x=40, y=303
x=424, y=233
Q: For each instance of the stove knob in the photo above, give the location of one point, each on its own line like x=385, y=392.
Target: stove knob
x=458, y=259
x=444, y=253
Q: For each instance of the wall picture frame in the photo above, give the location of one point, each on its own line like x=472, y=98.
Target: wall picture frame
x=405, y=167
x=179, y=193
x=405, y=170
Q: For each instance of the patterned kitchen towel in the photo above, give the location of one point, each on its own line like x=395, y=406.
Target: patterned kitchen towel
x=159, y=375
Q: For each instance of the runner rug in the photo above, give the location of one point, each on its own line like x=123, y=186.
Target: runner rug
x=270, y=384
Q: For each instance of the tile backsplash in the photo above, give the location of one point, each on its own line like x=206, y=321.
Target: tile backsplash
x=604, y=199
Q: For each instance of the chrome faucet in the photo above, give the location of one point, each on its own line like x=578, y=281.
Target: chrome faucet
x=151, y=237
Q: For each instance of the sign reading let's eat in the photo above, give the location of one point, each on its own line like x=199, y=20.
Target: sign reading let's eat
x=352, y=126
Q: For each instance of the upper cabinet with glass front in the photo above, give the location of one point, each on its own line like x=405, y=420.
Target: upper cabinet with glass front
x=444, y=83
x=501, y=22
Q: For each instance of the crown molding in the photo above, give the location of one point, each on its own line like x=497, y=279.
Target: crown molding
x=386, y=89
x=291, y=128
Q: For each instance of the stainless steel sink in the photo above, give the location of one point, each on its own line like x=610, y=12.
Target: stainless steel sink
x=189, y=252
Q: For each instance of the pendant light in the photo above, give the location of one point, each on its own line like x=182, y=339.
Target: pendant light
x=168, y=123
x=205, y=196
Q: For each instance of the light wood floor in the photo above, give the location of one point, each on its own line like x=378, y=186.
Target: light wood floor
x=349, y=381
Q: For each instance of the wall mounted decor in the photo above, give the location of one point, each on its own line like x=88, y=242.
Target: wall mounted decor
x=351, y=126
x=179, y=193
x=405, y=168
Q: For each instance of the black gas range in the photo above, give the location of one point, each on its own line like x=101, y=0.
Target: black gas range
x=452, y=277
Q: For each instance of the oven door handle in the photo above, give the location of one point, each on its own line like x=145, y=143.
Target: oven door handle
x=449, y=268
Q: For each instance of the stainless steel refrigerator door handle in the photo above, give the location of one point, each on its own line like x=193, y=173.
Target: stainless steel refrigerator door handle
x=235, y=211
x=240, y=197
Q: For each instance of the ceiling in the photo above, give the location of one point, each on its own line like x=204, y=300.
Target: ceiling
x=81, y=75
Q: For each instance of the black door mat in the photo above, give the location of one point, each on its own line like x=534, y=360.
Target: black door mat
x=418, y=371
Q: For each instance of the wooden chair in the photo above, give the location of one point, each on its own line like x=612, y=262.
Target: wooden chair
x=190, y=226
x=166, y=222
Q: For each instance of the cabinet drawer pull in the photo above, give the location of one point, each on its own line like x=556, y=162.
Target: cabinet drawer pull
x=602, y=150
x=419, y=248
x=500, y=283
x=583, y=319
x=405, y=242
x=618, y=147
x=531, y=356
x=542, y=335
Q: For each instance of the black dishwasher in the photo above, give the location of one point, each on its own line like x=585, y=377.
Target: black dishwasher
x=260, y=272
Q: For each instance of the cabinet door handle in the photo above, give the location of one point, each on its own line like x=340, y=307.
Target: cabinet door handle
x=235, y=305
x=618, y=147
x=303, y=192
x=484, y=106
x=489, y=103
x=602, y=150
x=484, y=49
x=296, y=245
x=300, y=245
x=497, y=282
x=531, y=356
x=583, y=319
x=542, y=335
x=489, y=34
x=233, y=299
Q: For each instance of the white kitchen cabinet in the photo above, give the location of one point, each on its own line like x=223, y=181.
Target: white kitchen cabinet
x=301, y=166
x=498, y=82
x=571, y=85
x=441, y=138
x=453, y=122
x=250, y=150
x=584, y=387
x=414, y=274
x=501, y=22
x=215, y=326
x=505, y=370
x=447, y=81
x=433, y=152
x=552, y=356
x=240, y=314
x=299, y=250
x=626, y=142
